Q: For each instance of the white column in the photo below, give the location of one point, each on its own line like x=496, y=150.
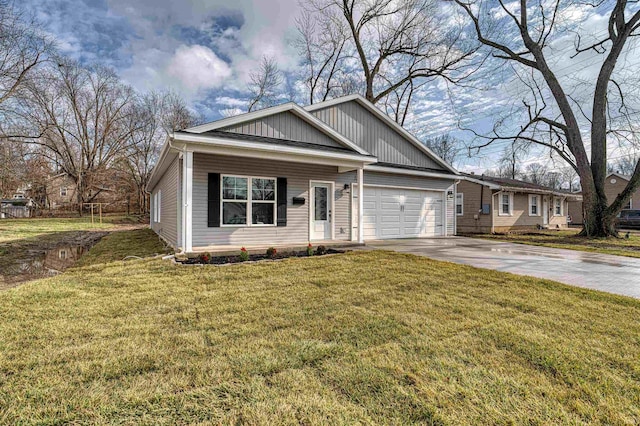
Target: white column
x=360, y=205
x=187, y=205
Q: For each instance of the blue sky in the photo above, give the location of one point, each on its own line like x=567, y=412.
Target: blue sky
x=205, y=50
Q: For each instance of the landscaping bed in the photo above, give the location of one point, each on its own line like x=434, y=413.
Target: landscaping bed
x=245, y=256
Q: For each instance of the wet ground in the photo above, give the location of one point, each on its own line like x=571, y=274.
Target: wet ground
x=614, y=274
x=27, y=260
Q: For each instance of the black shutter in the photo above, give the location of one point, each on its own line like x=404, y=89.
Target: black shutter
x=282, y=201
x=213, y=201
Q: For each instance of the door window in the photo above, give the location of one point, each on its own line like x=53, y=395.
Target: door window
x=320, y=203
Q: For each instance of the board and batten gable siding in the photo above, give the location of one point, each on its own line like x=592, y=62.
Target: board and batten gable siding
x=298, y=176
x=167, y=228
x=283, y=125
x=360, y=126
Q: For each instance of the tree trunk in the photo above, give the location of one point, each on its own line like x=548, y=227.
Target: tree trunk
x=597, y=222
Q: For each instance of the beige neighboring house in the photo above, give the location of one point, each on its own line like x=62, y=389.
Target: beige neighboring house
x=486, y=204
x=614, y=184
x=61, y=192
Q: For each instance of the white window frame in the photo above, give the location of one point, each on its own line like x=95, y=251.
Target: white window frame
x=249, y=202
x=538, y=199
x=157, y=206
x=630, y=205
x=500, y=212
x=459, y=195
x=63, y=191
x=555, y=200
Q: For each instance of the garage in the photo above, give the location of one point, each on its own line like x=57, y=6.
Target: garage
x=402, y=213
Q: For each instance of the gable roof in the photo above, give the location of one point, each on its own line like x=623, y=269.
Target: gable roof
x=620, y=175
x=388, y=121
x=507, y=184
x=290, y=107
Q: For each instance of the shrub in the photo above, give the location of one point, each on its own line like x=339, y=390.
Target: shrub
x=321, y=250
x=244, y=254
x=205, y=257
x=309, y=250
x=271, y=252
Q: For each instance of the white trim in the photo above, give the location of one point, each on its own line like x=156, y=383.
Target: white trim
x=330, y=198
x=444, y=213
x=627, y=178
x=404, y=187
x=229, y=146
x=187, y=206
x=249, y=201
x=159, y=196
x=538, y=200
x=500, y=212
x=360, y=180
x=455, y=206
x=291, y=107
x=388, y=120
x=398, y=171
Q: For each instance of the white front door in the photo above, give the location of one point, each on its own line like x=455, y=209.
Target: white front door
x=321, y=207
x=545, y=211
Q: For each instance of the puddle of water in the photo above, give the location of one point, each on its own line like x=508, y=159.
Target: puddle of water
x=39, y=264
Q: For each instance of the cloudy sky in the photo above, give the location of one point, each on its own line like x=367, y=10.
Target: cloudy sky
x=205, y=50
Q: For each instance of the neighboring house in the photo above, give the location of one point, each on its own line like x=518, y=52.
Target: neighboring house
x=340, y=170
x=113, y=192
x=60, y=192
x=486, y=204
x=614, y=184
x=19, y=205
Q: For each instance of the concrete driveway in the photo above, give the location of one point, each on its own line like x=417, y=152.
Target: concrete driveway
x=614, y=274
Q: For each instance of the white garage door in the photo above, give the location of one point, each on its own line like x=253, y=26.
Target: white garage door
x=401, y=213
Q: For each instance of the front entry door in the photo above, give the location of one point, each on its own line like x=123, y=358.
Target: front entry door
x=545, y=211
x=321, y=207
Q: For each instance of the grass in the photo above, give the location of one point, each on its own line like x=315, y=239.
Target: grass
x=121, y=244
x=359, y=338
x=21, y=229
x=570, y=240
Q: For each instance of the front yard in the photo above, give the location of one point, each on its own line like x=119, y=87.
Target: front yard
x=570, y=240
x=364, y=337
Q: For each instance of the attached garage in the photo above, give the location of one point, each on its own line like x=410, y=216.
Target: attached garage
x=402, y=213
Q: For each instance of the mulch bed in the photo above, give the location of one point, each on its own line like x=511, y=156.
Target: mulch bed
x=225, y=260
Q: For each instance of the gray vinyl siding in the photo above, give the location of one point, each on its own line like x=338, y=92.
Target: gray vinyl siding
x=369, y=132
x=167, y=228
x=284, y=125
x=298, y=176
x=451, y=211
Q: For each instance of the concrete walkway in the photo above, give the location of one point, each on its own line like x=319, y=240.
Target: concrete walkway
x=614, y=274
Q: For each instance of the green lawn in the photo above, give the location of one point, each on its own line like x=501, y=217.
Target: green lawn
x=119, y=245
x=22, y=229
x=570, y=240
x=359, y=338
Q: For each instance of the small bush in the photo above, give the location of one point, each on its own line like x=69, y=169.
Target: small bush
x=244, y=254
x=321, y=250
x=205, y=257
x=272, y=252
x=309, y=250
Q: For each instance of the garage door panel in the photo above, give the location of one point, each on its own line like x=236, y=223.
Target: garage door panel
x=401, y=213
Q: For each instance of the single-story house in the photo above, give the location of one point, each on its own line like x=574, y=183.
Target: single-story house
x=336, y=171
x=614, y=184
x=486, y=204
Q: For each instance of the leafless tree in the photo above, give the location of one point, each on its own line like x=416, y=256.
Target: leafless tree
x=537, y=173
x=86, y=119
x=624, y=165
x=391, y=46
x=156, y=115
x=509, y=163
x=265, y=84
x=446, y=147
x=520, y=33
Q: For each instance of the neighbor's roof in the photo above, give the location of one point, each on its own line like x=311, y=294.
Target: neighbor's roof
x=506, y=184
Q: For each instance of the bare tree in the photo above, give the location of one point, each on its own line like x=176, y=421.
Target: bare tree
x=156, y=115
x=390, y=45
x=85, y=118
x=520, y=34
x=446, y=147
x=265, y=84
x=509, y=163
x=624, y=165
x=537, y=173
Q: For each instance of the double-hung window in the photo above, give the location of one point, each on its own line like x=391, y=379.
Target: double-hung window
x=459, y=203
x=63, y=191
x=557, y=206
x=505, y=204
x=248, y=197
x=534, y=209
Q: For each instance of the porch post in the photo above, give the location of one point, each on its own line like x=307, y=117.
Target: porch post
x=187, y=205
x=360, y=205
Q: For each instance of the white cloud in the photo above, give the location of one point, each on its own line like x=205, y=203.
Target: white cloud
x=198, y=68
